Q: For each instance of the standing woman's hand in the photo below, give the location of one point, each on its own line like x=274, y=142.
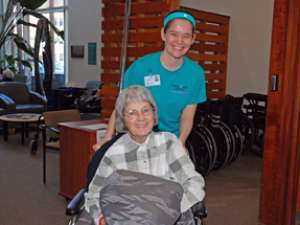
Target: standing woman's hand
x=109, y=132
x=97, y=146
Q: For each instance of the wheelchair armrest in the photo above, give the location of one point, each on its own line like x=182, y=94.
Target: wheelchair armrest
x=74, y=206
x=54, y=129
x=199, y=210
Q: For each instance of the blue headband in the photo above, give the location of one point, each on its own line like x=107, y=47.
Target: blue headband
x=179, y=15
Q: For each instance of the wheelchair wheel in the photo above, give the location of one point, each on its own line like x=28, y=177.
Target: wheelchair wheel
x=205, y=131
x=199, y=151
x=222, y=142
x=229, y=136
x=239, y=142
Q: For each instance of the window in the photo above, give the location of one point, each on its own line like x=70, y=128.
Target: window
x=52, y=4
x=54, y=11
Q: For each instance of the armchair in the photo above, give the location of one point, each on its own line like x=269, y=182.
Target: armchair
x=19, y=99
x=6, y=104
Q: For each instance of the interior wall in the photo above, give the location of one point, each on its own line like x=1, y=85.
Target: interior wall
x=84, y=27
x=249, y=41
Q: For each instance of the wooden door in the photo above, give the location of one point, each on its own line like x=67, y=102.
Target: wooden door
x=282, y=140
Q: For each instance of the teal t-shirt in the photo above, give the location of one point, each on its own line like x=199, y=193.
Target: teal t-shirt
x=171, y=90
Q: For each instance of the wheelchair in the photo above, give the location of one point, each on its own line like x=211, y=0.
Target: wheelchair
x=75, y=205
x=255, y=108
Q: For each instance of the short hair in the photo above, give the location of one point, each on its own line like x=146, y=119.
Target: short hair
x=179, y=14
x=135, y=93
x=8, y=74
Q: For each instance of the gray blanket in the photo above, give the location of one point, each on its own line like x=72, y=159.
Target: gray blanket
x=131, y=198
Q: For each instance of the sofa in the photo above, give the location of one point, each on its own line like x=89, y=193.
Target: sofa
x=17, y=98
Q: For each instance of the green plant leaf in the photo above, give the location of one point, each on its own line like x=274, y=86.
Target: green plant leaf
x=22, y=44
x=11, y=15
x=26, y=64
x=22, y=22
x=8, y=13
x=41, y=16
x=10, y=63
x=32, y=4
x=10, y=60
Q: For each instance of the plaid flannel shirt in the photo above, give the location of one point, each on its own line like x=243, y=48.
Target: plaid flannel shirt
x=162, y=155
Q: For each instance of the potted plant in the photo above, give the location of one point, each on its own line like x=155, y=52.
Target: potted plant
x=14, y=15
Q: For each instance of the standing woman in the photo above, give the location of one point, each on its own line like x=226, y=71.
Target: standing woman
x=176, y=82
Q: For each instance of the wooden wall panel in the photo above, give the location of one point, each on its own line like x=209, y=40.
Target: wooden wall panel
x=143, y=37
x=210, y=48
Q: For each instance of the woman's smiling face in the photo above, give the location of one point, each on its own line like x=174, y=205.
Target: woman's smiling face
x=139, y=120
x=178, y=38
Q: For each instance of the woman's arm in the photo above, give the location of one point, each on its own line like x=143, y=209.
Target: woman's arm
x=92, y=197
x=109, y=131
x=186, y=122
x=184, y=173
x=111, y=127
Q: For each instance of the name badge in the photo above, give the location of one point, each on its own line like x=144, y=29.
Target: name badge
x=152, y=80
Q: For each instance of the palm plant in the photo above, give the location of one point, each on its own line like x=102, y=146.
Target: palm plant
x=14, y=15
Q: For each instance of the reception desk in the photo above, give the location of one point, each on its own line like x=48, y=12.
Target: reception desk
x=76, y=141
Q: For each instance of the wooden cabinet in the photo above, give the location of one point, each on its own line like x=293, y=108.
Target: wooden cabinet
x=76, y=151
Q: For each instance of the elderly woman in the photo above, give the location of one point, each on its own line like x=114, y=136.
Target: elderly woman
x=141, y=149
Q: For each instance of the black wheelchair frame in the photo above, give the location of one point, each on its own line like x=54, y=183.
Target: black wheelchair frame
x=75, y=205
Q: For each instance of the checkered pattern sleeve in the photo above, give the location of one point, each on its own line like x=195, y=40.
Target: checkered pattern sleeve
x=92, y=197
x=183, y=170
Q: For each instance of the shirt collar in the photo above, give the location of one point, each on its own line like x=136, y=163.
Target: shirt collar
x=128, y=141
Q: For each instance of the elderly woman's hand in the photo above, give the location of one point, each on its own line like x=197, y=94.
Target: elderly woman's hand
x=97, y=146
x=101, y=220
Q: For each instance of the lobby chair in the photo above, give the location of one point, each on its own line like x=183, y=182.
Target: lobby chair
x=24, y=100
x=49, y=125
x=6, y=104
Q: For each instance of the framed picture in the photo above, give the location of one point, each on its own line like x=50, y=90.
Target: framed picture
x=77, y=51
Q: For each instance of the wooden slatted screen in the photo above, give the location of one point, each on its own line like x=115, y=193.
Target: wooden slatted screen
x=210, y=48
x=143, y=37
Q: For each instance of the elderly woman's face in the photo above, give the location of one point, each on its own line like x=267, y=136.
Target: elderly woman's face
x=139, y=120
